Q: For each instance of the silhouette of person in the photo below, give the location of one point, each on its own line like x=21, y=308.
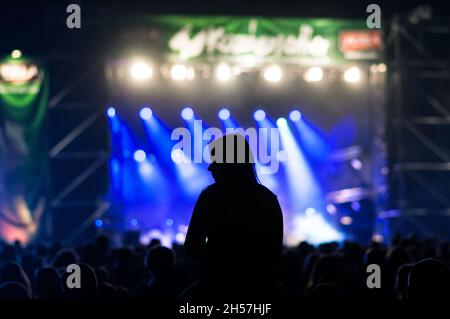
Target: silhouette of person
x=160, y=262
x=48, y=283
x=429, y=279
x=236, y=228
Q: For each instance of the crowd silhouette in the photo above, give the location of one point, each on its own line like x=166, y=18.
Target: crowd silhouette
x=233, y=250
x=411, y=269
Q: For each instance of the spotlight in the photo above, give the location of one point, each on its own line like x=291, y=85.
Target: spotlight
x=331, y=209
x=356, y=164
x=180, y=238
x=374, y=68
x=179, y=72
x=273, y=73
x=223, y=72
x=382, y=67
x=352, y=75
x=16, y=54
x=224, y=114
x=346, y=220
x=146, y=113
x=187, y=114
x=295, y=116
x=259, y=115
x=146, y=169
x=139, y=156
x=378, y=238
x=98, y=223
x=111, y=112
x=169, y=222
x=281, y=122
x=177, y=156
x=314, y=74
x=141, y=71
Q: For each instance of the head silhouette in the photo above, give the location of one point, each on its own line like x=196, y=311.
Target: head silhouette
x=88, y=283
x=232, y=160
x=429, y=278
x=48, y=283
x=160, y=261
x=14, y=290
x=13, y=272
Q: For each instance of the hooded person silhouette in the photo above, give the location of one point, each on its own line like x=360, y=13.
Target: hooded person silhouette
x=236, y=228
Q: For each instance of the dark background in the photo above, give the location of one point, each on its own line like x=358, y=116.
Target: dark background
x=45, y=20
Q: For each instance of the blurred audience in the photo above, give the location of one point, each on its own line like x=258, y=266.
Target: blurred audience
x=410, y=270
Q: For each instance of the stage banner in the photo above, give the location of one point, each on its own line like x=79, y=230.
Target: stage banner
x=258, y=40
x=23, y=147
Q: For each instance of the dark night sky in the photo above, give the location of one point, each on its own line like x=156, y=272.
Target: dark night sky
x=19, y=10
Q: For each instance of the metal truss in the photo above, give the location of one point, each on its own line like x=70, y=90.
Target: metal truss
x=62, y=198
x=418, y=111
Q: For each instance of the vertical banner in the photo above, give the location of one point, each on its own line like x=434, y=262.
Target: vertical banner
x=23, y=147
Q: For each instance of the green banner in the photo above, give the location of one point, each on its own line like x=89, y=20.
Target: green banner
x=23, y=148
x=257, y=40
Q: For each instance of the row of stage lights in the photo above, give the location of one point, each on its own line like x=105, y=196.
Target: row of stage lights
x=187, y=114
x=141, y=70
x=224, y=114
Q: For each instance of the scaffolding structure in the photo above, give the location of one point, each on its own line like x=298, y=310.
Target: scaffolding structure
x=418, y=128
x=78, y=132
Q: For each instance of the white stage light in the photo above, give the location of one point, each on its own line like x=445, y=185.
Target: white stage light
x=352, y=75
x=141, y=71
x=382, y=67
x=146, y=113
x=356, y=164
x=224, y=114
x=223, y=72
x=177, y=156
x=16, y=54
x=146, y=169
x=139, y=156
x=179, y=72
x=281, y=122
x=259, y=115
x=180, y=238
x=331, y=209
x=314, y=74
x=273, y=73
x=295, y=116
x=111, y=112
x=187, y=114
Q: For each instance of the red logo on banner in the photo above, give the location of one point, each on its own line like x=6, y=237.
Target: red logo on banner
x=360, y=40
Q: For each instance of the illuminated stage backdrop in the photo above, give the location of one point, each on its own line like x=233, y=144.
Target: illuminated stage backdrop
x=310, y=78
